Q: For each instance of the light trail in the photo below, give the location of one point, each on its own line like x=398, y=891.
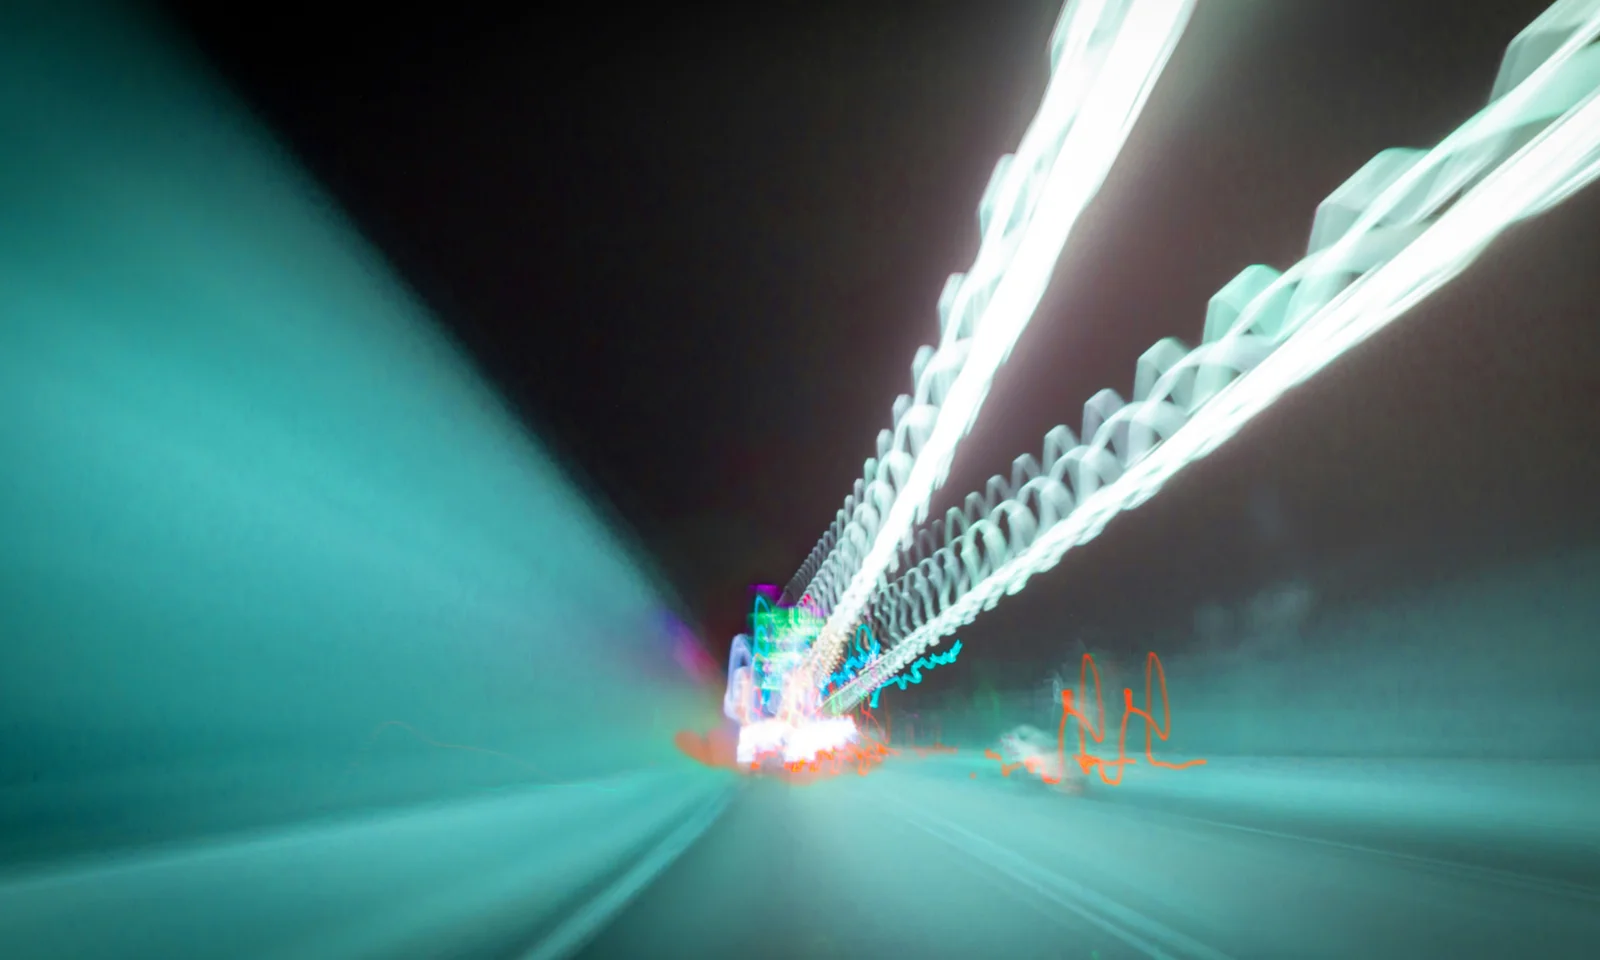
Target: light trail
x=853, y=663
x=1095, y=94
x=1428, y=217
x=1089, y=729
x=915, y=674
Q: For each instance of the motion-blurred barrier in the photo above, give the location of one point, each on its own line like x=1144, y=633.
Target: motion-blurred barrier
x=253, y=508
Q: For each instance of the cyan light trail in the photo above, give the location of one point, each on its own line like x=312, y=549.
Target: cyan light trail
x=870, y=650
x=255, y=508
x=853, y=663
x=1399, y=229
x=914, y=673
x=1106, y=56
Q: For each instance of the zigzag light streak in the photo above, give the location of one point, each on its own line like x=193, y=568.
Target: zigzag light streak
x=914, y=672
x=1009, y=194
x=1423, y=218
x=1095, y=93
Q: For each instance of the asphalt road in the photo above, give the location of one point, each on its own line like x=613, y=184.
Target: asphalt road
x=941, y=857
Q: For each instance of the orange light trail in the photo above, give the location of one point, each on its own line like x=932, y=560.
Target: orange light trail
x=1087, y=729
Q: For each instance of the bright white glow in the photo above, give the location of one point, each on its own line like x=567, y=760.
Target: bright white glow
x=762, y=738
x=809, y=739
x=1444, y=239
x=1085, y=118
x=795, y=742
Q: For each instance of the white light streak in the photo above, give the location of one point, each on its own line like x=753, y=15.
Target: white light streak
x=1387, y=282
x=1084, y=120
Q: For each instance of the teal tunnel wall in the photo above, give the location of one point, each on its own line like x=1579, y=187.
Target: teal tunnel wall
x=256, y=511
